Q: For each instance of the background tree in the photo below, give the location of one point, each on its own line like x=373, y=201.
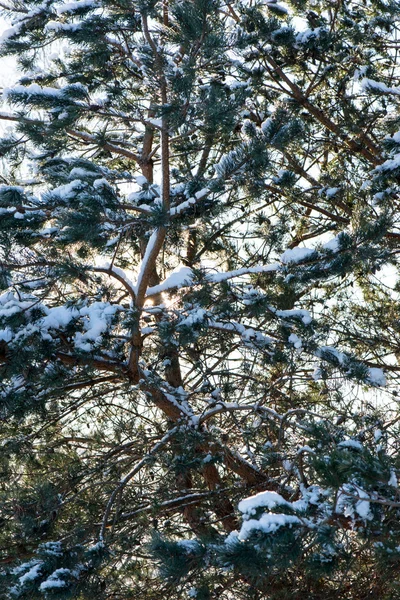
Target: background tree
x=199, y=224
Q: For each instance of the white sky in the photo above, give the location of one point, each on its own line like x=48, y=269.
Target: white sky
x=7, y=64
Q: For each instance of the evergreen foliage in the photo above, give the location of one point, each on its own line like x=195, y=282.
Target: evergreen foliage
x=199, y=309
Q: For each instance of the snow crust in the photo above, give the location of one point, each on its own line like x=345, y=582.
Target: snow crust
x=179, y=277
x=54, y=581
x=300, y=313
x=268, y=523
x=295, y=340
x=223, y=276
x=33, y=571
x=370, y=84
x=333, y=244
x=295, y=255
x=57, y=26
x=389, y=165
x=94, y=318
x=73, y=6
x=263, y=499
x=349, y=504
x=376, y=377
x=330, y=192
x=31, y=89
x=10, y=32
x=67, y=191
x=303, y=37
x=351, y=444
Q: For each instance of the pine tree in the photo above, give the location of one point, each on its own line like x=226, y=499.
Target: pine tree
x=199, y=322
